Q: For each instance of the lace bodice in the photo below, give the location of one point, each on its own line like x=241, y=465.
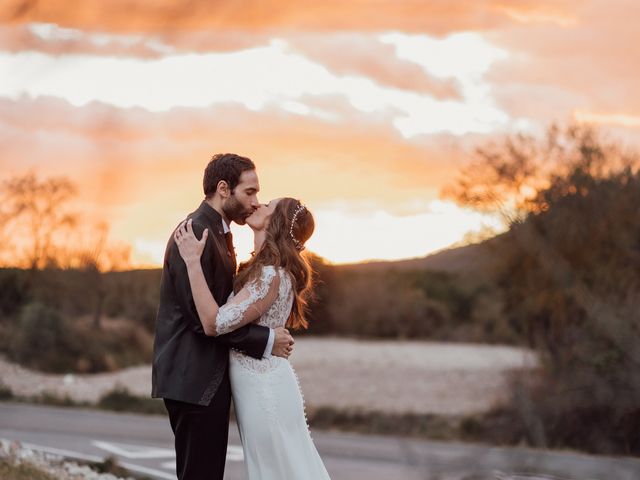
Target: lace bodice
x=279, y=311
x=266, y=301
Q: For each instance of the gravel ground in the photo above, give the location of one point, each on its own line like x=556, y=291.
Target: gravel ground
x=15, y=453
x=387, y=376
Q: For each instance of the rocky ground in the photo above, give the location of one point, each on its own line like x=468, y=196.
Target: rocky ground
x=18, y=461
x=386, y=376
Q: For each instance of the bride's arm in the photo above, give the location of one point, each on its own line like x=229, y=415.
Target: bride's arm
x=191, y=250
x=249, y=304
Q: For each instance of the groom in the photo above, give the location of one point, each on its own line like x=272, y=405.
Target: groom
x=190, y=370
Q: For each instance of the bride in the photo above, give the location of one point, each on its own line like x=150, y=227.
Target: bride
x=270, y=289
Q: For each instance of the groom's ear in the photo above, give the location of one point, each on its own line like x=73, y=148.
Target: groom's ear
x=223, y=189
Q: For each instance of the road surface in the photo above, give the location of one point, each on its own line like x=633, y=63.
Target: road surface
x=143, y=444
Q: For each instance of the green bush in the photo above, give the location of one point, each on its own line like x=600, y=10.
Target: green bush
x=40, y=339
x=45, y=340
x=390, y=303
x=352, y=301
x=5, y=392
x=110, y=465
x=572, y=281
x=121, y=400
x=13, y=291
x=134, y=295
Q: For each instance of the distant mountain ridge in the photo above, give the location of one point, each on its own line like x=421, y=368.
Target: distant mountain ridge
x=468, y=258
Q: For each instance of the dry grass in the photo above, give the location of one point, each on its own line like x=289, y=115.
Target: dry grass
x=22, y=471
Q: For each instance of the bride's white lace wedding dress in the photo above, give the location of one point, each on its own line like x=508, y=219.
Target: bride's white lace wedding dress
x=268, y=402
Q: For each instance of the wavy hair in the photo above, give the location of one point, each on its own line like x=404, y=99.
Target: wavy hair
x=280, y=250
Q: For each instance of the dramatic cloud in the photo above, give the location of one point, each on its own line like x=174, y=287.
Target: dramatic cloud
x=56, y=40
x=53, y=40
x=368, y=56
x=262, y=77
x=141, y=171
x=364, y=109
x=435, y=17
x=286, y=140
x=586, y=66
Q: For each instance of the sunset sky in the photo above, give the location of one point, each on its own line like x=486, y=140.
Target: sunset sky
x=363, y=109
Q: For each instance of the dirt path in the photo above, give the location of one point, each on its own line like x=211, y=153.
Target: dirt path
x=389, y=376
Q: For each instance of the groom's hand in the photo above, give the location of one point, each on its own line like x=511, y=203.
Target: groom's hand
x=283, y=343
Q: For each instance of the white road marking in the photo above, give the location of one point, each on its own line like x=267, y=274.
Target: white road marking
x=137, y=452
x=62, y=453
x=134, y=451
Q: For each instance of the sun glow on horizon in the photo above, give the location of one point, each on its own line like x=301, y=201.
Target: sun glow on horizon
x=343, y=236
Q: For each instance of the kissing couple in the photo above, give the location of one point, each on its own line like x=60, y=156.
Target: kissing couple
x=222, y=332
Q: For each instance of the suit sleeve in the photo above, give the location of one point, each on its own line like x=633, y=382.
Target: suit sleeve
x=251, y=339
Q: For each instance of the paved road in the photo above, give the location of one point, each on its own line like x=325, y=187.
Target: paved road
x=144, y=444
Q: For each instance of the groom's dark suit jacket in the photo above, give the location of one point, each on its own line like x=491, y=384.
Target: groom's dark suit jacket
x=187, y=365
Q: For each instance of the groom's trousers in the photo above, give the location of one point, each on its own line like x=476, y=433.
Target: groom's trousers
x=201, y=435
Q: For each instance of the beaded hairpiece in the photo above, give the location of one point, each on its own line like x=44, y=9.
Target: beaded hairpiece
x=296, y=242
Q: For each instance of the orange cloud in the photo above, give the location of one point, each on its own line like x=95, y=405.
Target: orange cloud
x=343, y=53
x=359, y=137
x=585, y=66
x=436, y=17
x=539, y=13
x=55, y=40
x=19, y=38
x=142, y=171
x=361, y=54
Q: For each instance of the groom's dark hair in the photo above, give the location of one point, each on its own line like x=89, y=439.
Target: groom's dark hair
x=227, y=167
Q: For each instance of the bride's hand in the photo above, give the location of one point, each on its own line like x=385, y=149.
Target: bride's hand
x=189, y=246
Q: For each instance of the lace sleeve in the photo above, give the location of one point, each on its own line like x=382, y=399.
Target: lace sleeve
x=250, y=303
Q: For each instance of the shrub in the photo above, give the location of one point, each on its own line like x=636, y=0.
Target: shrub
x=13, y=291
x=43, y=339
x=572, y=281
x=5, y=392
x=120, y=400
x=39, y=340
x=390, y=303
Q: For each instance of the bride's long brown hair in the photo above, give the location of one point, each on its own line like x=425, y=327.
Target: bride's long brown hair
x=281, y=250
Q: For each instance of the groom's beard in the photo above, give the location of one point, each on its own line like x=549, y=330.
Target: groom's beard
x=235, y=212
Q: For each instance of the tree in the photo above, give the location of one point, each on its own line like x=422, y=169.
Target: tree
x=4, y=224
x=569, y=267
x=507, y=178
x=36, y=213
x=98, y=258
x=571, y=277
x=37, y=221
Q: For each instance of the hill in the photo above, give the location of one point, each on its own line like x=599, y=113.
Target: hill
x=474, y=258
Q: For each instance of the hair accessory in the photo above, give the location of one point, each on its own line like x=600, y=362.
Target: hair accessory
x=296, y=242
